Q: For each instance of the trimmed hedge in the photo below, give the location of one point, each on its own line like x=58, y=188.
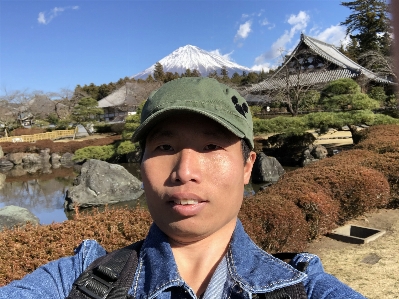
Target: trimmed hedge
x=274, y=224
x=22, y=250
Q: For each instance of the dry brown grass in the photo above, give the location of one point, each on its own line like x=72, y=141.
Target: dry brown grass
x=375, y=281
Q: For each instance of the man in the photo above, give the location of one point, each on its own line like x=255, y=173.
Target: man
x=197, y=141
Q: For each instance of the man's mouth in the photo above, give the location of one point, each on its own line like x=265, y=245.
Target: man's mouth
x=185, y=201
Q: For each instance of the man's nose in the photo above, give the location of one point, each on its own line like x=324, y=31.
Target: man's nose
x=187, y=167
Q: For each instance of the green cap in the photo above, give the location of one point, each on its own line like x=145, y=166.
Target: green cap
x=205, y=96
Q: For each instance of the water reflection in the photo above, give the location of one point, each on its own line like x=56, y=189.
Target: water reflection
x=41, y=193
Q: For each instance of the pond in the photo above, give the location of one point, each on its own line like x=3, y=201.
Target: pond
x=43, y=193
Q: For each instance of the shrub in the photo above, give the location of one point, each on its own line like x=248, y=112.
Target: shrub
x=315, y=202
x=131, y=124
x=380, y=139
x=274, y=224
x=280, y=124
x=125, y=147
x=22, y=250
x=104, y=153
x=102, y=128
x=377, y=93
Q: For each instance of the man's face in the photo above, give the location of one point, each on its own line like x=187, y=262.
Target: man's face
x=194, y=175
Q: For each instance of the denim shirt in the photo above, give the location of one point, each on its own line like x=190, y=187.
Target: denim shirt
x=250, y=270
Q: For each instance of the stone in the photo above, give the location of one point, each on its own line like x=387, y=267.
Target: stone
x=16, y=158
x=266, y=169
x=319, y=152
x=31, y=158
x=66, y=160
x=371, y=259
x=11, y=216
x=5, y=164
x=55, y=158
x=45, y=155
x=1, y=152
x=101, y=183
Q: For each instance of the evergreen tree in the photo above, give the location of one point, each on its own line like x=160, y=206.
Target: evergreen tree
x=236, y=78
x=159, y=74
x=86, y=110
x=224, y=73
x=195, y=73
x=369, y=24
x=149, y=79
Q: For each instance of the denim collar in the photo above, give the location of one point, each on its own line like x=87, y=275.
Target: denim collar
x=249, y=267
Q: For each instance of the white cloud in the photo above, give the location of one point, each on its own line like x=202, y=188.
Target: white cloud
x=259, y=67
x=264, y=22
x=335, y=35
x=225, y=56
x=46, y=17
x=243, y=31
x=298, y=23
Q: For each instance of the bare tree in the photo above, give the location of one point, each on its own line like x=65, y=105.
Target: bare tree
x=292, y=82
x=382, y=65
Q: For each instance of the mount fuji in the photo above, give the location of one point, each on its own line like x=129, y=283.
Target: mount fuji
x=192, y=57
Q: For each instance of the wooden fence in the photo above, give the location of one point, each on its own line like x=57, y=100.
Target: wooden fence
x=41, y=136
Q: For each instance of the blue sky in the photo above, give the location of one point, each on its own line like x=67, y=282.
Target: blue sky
x=48, y=45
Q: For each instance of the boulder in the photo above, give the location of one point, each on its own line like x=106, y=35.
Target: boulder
x=31, y=158
x=55, y=158
x=266, y=169
x=45, y=155
x=101, y=183
x=319, y=152
x=13, y=215
x=66, y=160
x=313, y=153
x=16, y=158
x=5, y=165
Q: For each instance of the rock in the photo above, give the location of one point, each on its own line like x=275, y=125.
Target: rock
x=1, y=152
x=66, y=160
x=17, y=170
x=101, y=183
x=55, y=158
x=31, y=158
x=313, y=153
x=5, y=165
x=2, y=180
x=319, y=152
x=16, y=158
x=13, y=215
x=266, y=169
x=45, y=155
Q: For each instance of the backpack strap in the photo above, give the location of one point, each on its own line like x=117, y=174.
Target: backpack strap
x=108, y=277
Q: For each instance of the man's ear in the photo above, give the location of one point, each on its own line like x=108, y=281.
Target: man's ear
x=248, y=167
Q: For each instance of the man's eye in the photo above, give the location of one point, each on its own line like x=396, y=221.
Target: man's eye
x=165, y=147
x=211, y=147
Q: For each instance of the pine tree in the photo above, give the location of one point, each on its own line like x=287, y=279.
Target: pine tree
x=159, y=74
x=368, y=24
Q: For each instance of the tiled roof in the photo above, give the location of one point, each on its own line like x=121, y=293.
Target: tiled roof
x=349, y=68
x=303, y=79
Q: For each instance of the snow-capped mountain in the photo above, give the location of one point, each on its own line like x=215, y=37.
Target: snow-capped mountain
x=192, y=57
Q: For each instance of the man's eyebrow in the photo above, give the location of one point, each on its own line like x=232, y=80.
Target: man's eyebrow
x=157, y=133
x=217, y=133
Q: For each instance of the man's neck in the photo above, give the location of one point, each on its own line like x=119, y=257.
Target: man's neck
x=197, y=261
